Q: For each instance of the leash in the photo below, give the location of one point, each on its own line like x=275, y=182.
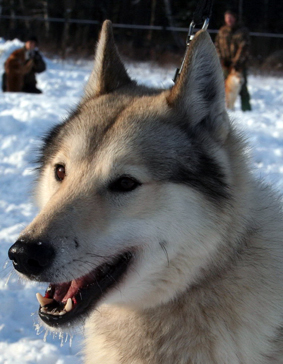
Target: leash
x=201, y=16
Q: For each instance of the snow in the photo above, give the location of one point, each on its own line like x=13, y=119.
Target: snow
x=24, y=119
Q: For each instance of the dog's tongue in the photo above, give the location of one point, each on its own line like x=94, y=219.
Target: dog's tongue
x=63, y=291
x=73, y=289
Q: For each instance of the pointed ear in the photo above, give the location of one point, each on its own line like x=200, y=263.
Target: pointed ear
x=199, y=90
x=109, y=72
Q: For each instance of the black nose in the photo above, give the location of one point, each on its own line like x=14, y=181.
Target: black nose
x=31, y=257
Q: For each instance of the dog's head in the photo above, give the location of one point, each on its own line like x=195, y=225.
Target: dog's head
x=135, y=189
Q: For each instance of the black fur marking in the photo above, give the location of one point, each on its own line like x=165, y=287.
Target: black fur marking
x=207, y=175
x=76, y=243
x=185, y=159
x=208, y=178
x=49, y=148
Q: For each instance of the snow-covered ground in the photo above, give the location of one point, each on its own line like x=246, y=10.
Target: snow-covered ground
x=23, y=120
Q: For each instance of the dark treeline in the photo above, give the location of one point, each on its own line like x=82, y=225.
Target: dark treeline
x=258, y=15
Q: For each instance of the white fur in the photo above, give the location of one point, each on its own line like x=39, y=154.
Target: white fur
x=205, y=286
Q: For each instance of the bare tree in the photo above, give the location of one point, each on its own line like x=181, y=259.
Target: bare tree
x=23, y=9
x=68, y=9
x=152, y=19
x=45, y=15
x=168, y=13
x=240, y=11
x=12, y=14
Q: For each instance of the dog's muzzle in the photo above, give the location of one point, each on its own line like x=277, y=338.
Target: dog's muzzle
x=67, y=301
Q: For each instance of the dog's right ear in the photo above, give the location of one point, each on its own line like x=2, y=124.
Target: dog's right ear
x=109, y=72
x=199, y=90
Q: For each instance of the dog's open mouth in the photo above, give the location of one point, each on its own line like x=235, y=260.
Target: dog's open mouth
x=67, y=301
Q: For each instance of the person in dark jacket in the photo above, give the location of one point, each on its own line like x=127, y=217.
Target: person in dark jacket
x=232, y=44
x=21, y=67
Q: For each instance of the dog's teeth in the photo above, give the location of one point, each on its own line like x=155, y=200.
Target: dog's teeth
x=69, y=305
x=53, y=312
x=62, y=313
x=43, y=301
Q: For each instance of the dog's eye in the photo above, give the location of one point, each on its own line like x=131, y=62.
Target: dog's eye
x=60, y=172
x=124, y=184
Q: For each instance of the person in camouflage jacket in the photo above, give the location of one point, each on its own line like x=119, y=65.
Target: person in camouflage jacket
x=21, y=67
x=232, y=44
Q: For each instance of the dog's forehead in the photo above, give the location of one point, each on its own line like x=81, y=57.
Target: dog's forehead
x=113, y=131
x=141, y=139
x=127, y=124
x=112, y=134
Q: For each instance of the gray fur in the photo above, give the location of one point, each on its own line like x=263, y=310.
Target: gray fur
x=205, y=283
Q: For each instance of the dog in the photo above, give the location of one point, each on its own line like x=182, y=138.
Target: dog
x=233, y=85
x=152, y=229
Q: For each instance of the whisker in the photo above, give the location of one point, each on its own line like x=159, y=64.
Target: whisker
x=163, y=246
x=6, y=264
x=5, y=274
x=8, y=278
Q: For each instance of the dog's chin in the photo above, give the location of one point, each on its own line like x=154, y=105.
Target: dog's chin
x=66, y=303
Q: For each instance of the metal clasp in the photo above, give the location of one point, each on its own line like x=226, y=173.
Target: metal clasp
x=190, y=32
x=205, y=24
x=190, y=37
x=192, y=27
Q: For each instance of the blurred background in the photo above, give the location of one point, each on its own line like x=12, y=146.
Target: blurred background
x=144, y=29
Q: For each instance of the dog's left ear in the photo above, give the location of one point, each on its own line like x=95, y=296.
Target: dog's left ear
x=199, y=90
x=109, y=72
